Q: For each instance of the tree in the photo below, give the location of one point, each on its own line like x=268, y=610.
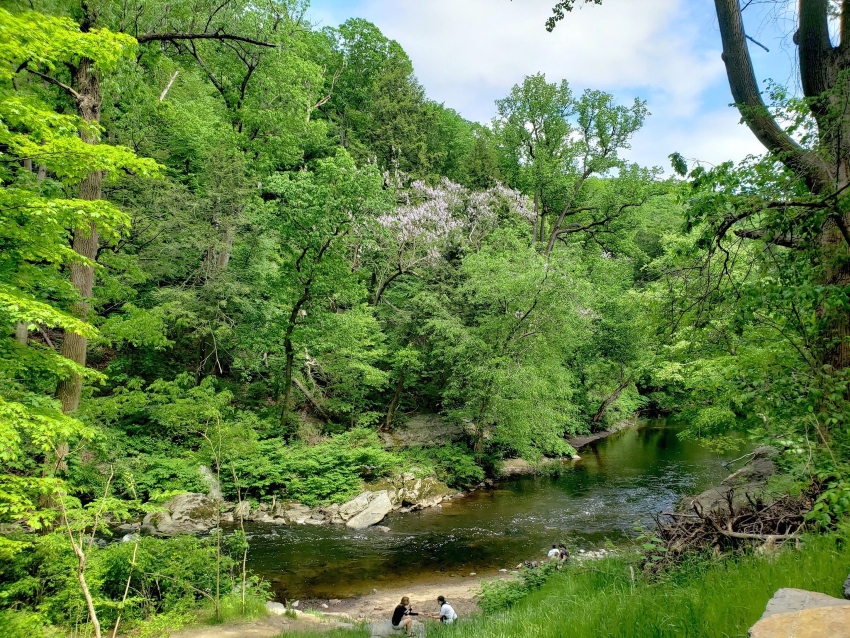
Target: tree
x=37, y=220
x=816, y=152
x=310, y=214
x=182, y=26
x=553, y=143
x=502, y=347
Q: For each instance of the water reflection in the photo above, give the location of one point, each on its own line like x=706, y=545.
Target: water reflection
x=620, y=480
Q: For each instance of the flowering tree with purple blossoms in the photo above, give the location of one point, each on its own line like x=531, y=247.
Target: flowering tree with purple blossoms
x=428, y=219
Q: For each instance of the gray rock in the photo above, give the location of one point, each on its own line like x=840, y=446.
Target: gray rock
x=354, y=506
x=422, y=430
x=384, y=529
x=847, y=588
x=278, y=609
x=128, y=527
x=296, y=511
x=749, y=480
x=379, y=506
x=789, y=599
x=184, y=514
x=242, y=510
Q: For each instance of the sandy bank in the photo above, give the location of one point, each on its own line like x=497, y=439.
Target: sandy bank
x=461, y=593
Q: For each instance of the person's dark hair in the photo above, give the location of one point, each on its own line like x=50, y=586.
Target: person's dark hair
x=441, y=599
x=554, y=546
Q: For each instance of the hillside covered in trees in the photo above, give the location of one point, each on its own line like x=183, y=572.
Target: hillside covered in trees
x=232, y=239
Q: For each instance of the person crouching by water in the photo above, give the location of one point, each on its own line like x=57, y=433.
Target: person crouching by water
x=402, y=616
x=447, y=612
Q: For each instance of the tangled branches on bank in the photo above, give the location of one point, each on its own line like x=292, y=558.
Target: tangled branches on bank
x=733, y=527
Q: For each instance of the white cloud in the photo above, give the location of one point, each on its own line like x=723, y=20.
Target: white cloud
x=467, y=51
x=714, y=137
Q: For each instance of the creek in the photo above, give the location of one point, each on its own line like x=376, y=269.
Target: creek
x=619, y=481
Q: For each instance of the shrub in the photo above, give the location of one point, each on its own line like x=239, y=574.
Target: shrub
x=455, y=465
x=170, y=577
x=499, y=595
x=332, y=471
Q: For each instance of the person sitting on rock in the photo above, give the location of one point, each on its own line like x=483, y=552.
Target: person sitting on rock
x=554, y=553
x=402, y=616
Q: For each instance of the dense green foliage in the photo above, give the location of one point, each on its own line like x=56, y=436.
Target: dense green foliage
x=168, y=578
x=231, y=239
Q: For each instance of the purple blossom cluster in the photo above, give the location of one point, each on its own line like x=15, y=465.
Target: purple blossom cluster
x=427, y=216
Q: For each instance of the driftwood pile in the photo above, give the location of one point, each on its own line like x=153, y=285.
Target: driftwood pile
x=754, y=523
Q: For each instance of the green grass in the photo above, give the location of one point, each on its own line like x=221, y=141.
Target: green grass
x=230, y=608
x=704, y=598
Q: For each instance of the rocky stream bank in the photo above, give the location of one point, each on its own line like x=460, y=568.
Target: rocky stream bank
x=195, y=513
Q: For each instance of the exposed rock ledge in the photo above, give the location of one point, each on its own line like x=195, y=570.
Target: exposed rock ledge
x=748, y=482
x=196, y=513
x=521, y=467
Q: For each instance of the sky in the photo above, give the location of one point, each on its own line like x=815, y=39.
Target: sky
x=468, y=53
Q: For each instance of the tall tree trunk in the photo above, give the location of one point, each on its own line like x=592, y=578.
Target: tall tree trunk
x=821, y=65
x=608, y=401
x=85, y=239
x=837, y=337
x=286, y=408
x=226, y=248
x=22, y=333
x=394, y=403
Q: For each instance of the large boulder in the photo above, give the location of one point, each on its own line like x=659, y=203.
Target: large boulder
x=749, y=480
x=379, y=506
x=354, y=506
x=422, y=430
x=184, y=514
x=291, y=512
x=803, y=614
x=409, y=492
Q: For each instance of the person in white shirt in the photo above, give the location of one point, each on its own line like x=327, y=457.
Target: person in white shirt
x=447, y=612
x=554, y=553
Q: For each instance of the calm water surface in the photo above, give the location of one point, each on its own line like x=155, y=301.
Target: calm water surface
x=618, y=481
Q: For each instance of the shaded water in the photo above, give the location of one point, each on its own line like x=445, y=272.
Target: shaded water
x=619, y=481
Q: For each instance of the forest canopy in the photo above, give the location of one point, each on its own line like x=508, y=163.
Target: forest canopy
x=233, y=239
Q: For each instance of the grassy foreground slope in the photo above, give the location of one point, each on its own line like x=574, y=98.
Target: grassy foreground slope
x=701, y=599
x=705, y=598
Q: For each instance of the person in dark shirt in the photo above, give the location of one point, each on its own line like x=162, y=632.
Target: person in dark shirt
x=402, y=616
